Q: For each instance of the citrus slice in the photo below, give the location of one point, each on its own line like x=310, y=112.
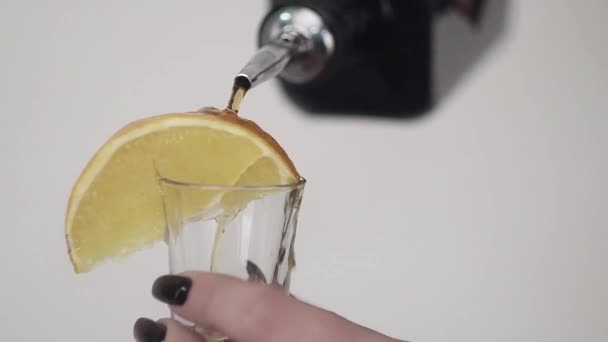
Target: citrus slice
x=115, y=207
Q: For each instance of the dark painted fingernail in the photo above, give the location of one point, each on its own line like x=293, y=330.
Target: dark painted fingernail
x=172, y=289
x=147, y=330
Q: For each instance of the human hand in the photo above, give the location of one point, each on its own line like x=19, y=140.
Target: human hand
x=244, y=311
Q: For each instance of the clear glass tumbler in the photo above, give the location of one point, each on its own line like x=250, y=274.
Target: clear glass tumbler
x=242, y=231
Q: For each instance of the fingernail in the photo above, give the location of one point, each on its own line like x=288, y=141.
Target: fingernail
x=172, y=289
x=147, y=330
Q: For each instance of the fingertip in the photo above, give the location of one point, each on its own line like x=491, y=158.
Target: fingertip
x=172, y=289
x=147, y=330
x=233, y=306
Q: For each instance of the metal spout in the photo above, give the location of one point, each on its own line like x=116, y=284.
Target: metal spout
x=294, y=44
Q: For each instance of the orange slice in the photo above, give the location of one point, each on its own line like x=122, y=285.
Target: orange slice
x=115, y=207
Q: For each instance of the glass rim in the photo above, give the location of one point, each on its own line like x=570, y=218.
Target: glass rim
x=205, y=186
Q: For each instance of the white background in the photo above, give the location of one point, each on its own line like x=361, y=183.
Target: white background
x=486, y=220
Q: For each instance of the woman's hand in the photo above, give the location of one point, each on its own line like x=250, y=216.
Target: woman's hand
x=243, y=311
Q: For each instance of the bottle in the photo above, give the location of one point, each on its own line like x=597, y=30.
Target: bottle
x=367, y=57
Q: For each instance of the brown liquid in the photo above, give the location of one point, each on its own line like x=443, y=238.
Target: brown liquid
x=238, y=93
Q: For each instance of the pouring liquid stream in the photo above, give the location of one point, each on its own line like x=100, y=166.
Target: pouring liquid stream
x=234, y=104
x=236, y=98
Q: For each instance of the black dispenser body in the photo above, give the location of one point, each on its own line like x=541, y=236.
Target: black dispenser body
x=382, y=62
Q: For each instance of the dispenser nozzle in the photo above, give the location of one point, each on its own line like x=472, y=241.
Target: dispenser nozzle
x=294, y=43
x=271, y=59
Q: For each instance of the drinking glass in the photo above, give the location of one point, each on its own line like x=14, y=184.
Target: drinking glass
x=243, y=231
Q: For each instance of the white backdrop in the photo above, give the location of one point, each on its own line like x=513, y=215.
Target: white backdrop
x=483, y=221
